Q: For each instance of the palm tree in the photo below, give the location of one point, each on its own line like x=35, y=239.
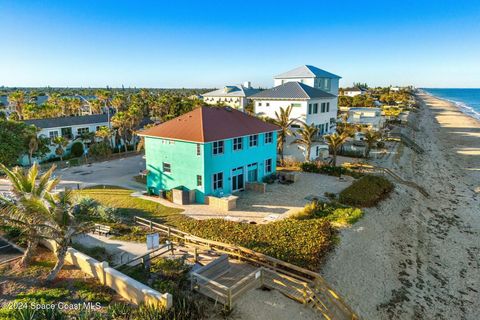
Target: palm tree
x=18, y=99
x=306, y=137
x=284, y=122
x=335, y=141
x=21, y=211
x=104, y=133
x=33, y=142
x=62, y=225
x=371, y=137
x=121, y=121
x=61, y=143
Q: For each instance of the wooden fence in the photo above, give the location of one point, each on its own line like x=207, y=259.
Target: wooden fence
x=316, y=290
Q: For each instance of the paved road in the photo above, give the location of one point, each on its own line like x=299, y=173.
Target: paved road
x=117, y=172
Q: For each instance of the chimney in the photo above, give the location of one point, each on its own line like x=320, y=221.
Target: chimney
x=247, y=84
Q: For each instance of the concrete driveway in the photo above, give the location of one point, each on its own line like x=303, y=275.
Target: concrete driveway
x=118, y=172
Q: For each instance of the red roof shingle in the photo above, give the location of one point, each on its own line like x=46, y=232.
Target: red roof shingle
x=207, y=124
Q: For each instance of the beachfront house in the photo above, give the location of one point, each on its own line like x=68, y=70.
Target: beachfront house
x=311, y=76
x=366, y=117
x=313, y=99
x=235, y=96
x=211, y=150
x=71, y=128
x=352, y=92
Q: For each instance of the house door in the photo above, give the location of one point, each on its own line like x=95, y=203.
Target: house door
x=252, y=172
x=237, y=179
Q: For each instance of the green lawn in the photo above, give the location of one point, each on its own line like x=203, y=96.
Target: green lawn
x=129, y=206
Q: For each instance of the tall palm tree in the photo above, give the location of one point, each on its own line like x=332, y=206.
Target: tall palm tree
x=306, y=137
x=61, y=143
x=18, y=100
x=371, y=137
x=335, y=141
x=33, y=142
x=21, y=211
x=283, y=120
x=104, y=133
x=121, y=122
x=61, y=226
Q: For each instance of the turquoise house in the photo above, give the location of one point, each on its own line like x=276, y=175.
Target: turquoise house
x=212, y=150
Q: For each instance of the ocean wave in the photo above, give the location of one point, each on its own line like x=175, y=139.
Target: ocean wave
x=462, y=106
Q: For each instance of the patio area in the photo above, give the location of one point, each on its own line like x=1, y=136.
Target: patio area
x=278, y=202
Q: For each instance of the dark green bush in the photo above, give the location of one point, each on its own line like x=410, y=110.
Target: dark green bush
x=367, y=191
x=336, y=171
x=270, y=178
x=77, y=149
x=100, y=149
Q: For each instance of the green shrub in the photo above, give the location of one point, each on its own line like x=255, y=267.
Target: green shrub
x=367, y=191
x=380, y=144
x=97, y=252
x=169, y=195
x=270, y=178
x=77, y=149
x=301, y=242
x=334, y=213
x=309, y=167
x=336, y=171
x=98, y=150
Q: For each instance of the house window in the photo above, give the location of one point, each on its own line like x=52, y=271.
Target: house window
x=267, y=104
x=315, y=108
x=166, y=167
x=67, y=132
x=199, y=150
x=328, y=106
x=268, y=166
x=218, y=147
x=217, y=181
x=254, y=140
x=268, y=137
x=310, y=108
x=259, y=104
x=53, y=134
x=237, y=144
x=199, y=180
x=323, y=107
x=326, y=127
x=81, y=131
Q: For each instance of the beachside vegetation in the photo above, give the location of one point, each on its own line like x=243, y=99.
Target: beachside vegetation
x=333, y=212
x=337, y=171
x=306, y=136
x=366, y=191
x=282, y=119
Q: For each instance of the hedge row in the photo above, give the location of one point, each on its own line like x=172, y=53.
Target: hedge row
x=366, y=191
x=329, y=170
x=301, y=242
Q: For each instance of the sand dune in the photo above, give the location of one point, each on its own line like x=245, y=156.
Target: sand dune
x=415, y=257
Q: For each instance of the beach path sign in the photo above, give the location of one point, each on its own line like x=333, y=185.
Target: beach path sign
x=153, y=241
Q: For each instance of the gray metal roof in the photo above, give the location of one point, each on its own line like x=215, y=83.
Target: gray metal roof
x=232, y=91
x=292, y=90
x=67, y=121
x=306, y=71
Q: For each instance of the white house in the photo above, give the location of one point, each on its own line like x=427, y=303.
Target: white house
x=369, y=117
x=235, y=96
x=68, y=127
x=352, y=92
x=311, y=76
x=309, y=105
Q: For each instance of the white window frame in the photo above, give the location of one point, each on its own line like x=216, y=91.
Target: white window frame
x=169, y=167
x=254, y=138
x=235, y=144
x=55, y=134
x=216, y=182
x=266, y=166
x=268, y=137
x=218, y=146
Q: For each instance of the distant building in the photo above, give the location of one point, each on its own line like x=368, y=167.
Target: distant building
x=235, y=96
x=312, y=93
x=70, y=128
x=369, y=117
x=395, y=89
x=213, y=151
x=352, y=92
x=311, y=76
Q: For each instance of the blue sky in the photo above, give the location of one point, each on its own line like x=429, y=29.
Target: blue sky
x=211, y=43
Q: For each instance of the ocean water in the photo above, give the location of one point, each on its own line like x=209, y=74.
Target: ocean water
x=467, y=100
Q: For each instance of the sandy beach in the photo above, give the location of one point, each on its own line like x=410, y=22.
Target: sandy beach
x=417, y=257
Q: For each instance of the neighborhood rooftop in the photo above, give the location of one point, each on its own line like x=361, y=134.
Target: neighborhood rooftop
x=206, y=124
x=67, y=121
x=232, y=91
x=292, y=90
x=306, y=71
